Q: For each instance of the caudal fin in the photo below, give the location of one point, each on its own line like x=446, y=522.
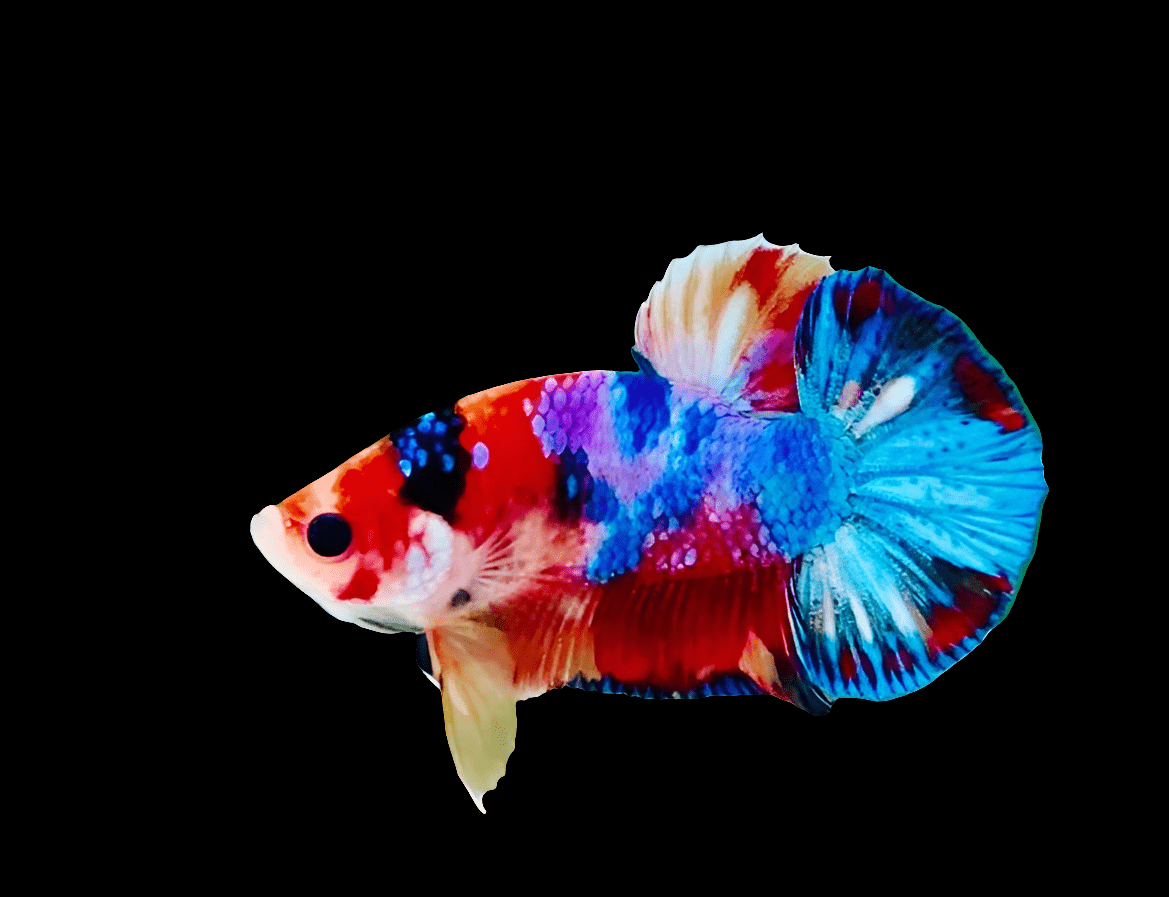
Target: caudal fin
x=945, y=493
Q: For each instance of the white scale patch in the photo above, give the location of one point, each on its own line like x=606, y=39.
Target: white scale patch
x=428, y=559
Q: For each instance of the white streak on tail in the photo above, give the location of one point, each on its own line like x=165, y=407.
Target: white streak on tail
x=861, y=618
x=828, y=598
x=894, y=398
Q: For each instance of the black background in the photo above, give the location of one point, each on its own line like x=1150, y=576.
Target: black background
x=357, y=302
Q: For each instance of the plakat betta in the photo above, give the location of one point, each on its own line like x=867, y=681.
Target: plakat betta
x=817, y=486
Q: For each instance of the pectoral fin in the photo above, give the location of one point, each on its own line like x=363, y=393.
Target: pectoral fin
x=475, y=672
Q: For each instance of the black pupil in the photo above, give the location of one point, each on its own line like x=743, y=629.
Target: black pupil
x=329, y=535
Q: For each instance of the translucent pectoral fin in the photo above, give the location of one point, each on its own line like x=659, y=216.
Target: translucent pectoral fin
x=481, y=739
x=478, y=704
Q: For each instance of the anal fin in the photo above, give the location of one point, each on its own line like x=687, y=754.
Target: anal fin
x=780, y=678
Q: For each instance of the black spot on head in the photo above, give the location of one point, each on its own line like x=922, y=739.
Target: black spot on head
x=329, y=535
x=461, y=597
x=434, y=463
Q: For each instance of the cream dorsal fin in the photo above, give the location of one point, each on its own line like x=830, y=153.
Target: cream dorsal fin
x=724, y=318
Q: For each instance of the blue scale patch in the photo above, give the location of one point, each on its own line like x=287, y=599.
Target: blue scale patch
x=694, y=451
x=640, y=405
x=698, y=426
x=622, y=549
x=725, y=686
x=674, y=496
x=432, y=460
x=800, y=476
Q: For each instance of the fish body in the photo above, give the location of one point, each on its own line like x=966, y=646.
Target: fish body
x=816, y=486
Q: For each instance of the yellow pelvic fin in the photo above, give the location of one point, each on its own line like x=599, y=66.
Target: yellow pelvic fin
x=476, y=672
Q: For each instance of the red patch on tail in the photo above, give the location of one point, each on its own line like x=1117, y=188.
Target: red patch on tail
x=854, y=308
x=847, y=664
x=897, y=662
x=984, y=395
x=975, y=601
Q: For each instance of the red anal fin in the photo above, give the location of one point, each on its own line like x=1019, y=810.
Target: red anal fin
x=676, y=634
x=549, y=639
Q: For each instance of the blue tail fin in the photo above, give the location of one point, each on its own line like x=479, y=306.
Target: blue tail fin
x=946, y=489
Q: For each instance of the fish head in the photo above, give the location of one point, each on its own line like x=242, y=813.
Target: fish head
x=390, y=538
x=359, y=545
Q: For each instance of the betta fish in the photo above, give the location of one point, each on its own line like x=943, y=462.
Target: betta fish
x=816, y=485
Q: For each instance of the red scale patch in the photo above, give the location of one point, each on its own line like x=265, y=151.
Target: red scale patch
x=517, y=473
x=707, y=547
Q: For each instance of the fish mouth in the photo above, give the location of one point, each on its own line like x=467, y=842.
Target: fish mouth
x=266, y=529
x=271, y=538
x=268, y=533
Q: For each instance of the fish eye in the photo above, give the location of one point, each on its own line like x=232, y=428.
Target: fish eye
x=329, y=535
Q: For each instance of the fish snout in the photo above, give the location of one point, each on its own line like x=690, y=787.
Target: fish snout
x=267, y=528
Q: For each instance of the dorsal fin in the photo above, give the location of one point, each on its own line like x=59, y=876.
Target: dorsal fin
x=724, y=317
